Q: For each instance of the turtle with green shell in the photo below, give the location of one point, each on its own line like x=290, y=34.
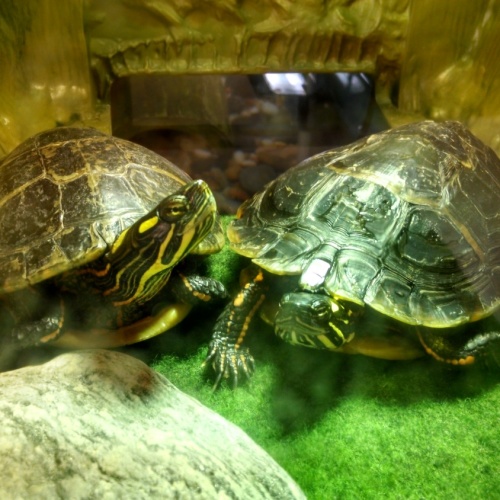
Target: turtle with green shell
x=399, y=231
x=93, y=229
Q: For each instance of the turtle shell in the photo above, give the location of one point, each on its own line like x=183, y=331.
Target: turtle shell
x=406, y=221
x=67, y=193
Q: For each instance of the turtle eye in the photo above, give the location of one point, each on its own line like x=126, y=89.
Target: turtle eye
x=173, y=208
x=320, y=309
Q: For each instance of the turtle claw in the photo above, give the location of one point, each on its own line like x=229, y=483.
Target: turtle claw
x=229, y=362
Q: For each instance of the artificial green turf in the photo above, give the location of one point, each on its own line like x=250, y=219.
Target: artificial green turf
x=353, y=427
x=350, y=426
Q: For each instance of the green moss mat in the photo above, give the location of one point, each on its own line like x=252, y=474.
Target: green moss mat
x=353, y=427
x=345, y=427
x=350, y=426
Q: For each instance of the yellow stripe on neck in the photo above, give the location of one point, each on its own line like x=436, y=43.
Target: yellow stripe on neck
x=119, y=241
x=159, y=266
x=145, y=226
x=148, y=224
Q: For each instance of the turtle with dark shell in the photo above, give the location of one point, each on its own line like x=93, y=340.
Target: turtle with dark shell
x=93, y=231
x=398, y=231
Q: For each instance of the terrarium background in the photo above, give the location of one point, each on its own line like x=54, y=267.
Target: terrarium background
x=344, y=427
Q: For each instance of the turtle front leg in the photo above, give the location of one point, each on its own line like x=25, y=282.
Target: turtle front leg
x=28, y=318
x=195, y=289
x=226, y=353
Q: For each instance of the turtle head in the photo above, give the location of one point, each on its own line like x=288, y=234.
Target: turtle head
x=177, y=224
x=183, y=220
x=315, y=320
x=144, y=254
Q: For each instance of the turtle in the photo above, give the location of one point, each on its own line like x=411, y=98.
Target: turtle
x=369, y=247
x=93, y=231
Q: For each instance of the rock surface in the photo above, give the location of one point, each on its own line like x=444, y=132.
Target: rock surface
x=100, y=424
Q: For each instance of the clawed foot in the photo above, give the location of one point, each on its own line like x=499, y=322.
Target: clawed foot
x=229, y=362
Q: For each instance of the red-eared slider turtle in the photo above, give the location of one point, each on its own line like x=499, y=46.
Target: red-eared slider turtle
x=402, y=226
x=92, y=227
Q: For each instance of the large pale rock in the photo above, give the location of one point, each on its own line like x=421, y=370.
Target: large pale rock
x=99, y=424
